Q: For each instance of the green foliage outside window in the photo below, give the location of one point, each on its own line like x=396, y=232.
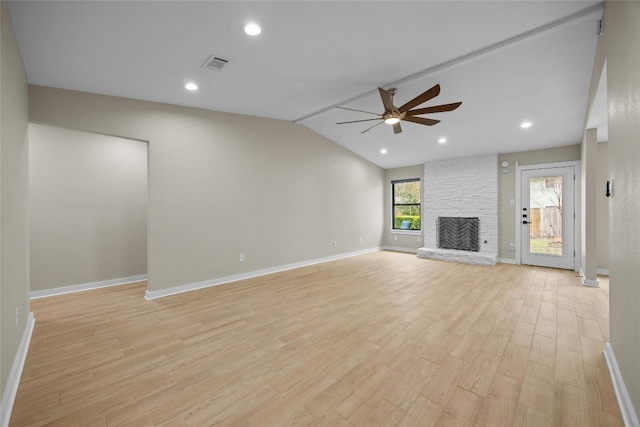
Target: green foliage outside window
x=406, y=203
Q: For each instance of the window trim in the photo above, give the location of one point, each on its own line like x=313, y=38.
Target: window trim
x=406, y=232
x=393, y=205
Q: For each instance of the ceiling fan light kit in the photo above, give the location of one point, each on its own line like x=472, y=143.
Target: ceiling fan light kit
x=393, y=115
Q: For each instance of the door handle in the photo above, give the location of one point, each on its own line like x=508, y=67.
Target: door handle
x=526, y=222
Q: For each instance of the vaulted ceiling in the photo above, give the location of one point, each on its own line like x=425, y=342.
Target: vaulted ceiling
x=508, y=62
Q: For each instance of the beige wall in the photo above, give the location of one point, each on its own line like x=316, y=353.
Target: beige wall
x=602, y=206
x=87, y=207
x=398, y=239
x=14, y=249
x=620, y=47
x=223, y=184
x=507, y=188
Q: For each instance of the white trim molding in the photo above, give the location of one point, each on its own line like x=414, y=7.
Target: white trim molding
x=11, y=390
x=602, y=271
x=86, y=287
x=406, y=232
x=506, y=260
x=624, y=400
x=588, y=282
x=151, y=295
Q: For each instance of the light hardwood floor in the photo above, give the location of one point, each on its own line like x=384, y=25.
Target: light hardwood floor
x=384, y=339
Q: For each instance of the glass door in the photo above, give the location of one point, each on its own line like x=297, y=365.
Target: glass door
x=547, y=217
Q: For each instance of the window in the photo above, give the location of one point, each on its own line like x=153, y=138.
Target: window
x=405, y=199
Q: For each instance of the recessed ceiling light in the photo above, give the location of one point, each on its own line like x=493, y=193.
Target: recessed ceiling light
x=383, y=151
x=442, y=140
x=252, y=29
x=525, y=125
x=191, y=86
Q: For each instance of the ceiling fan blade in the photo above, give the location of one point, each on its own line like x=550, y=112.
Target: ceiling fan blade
x=435, y=109
x=357, y=121
x=359, y=111
x=420, y=99
x=397, y=128
x=368, y=129
x=386, y=100
x=421, y=120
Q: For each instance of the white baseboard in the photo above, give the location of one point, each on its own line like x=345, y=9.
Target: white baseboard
x=603, y=271
x=151, y=295
x=11, y=390
x=399, y=249
x=506, y=260
x=86, y=287
x=588, y=282
x=624, y=400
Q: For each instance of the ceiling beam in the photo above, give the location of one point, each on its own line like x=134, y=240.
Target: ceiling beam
x=592, y=12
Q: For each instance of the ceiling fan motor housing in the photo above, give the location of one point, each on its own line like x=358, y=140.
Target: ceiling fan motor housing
x=393, y=115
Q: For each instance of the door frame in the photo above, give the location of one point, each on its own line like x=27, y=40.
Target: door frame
x=577, y=224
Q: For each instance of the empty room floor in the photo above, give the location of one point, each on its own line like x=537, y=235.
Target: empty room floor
x=383, y=339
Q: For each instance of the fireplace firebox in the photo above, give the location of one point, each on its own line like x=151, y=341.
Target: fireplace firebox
x=461, y=233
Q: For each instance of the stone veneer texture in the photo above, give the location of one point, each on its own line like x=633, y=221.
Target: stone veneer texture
x=466, y=187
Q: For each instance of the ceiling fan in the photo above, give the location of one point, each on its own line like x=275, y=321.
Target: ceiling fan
x=393, y=115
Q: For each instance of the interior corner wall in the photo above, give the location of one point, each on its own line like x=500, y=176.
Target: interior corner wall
x=588, y=210
x=620, y=48
x=87, y=207
x=507, y=189
x=398, y=240
x=222, y=184
x=14, y=249
x=602, y=207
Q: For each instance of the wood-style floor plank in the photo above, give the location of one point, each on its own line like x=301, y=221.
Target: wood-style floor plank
x=384, y=339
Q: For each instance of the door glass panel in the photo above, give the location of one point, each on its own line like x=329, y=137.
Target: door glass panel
x=545, y=215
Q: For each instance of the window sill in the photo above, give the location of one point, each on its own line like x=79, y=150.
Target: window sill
x=407, y=232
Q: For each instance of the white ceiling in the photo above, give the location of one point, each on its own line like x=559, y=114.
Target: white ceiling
x=506, y=61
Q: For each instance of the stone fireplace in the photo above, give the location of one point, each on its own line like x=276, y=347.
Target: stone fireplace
x=461, y=188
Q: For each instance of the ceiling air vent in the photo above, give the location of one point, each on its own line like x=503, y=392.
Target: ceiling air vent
x=215, y=62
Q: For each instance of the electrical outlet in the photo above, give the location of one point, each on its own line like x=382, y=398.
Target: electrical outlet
x=335, y=243
x=241, y=257
x=512, y=246
x=361, y=240
x=395, y=237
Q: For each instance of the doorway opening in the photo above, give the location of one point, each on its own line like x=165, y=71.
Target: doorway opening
x=88, y=210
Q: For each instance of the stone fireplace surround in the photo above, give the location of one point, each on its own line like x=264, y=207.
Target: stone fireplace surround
x=464, y=187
